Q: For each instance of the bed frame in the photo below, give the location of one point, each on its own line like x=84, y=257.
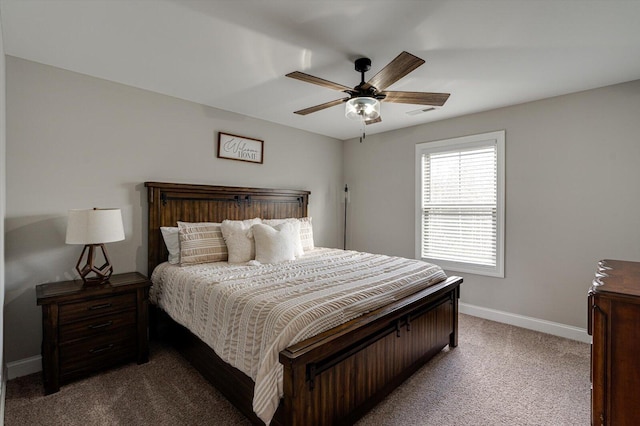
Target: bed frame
x=336, y=376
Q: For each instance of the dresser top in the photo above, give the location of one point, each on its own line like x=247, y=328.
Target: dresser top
x=617, y=276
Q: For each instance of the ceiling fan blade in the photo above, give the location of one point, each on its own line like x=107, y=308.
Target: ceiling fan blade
x=317, y=80
x=419, y=98
x=374, y=121
x=402, y=65
x=321, y=106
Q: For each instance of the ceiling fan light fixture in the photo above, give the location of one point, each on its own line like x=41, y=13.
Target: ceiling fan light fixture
x=362, y=108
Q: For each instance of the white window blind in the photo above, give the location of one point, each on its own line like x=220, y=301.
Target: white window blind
x=460, y=223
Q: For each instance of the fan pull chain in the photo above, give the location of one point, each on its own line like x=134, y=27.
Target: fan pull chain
x=363, y=130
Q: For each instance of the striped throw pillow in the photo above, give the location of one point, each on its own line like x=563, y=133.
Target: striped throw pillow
x=306, y=234
x=201, y=243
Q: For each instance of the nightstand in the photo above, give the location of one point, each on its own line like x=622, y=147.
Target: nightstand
x=88, y=328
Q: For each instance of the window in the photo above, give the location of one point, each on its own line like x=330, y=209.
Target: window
x=460, y=203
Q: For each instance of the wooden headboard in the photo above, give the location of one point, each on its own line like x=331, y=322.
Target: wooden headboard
x=173, y=202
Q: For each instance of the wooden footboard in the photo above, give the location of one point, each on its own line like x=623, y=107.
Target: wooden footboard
x=339, y=375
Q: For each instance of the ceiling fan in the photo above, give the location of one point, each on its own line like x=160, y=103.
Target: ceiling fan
x=363, y=102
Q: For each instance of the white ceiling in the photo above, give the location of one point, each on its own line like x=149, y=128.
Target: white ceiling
x=234, y=55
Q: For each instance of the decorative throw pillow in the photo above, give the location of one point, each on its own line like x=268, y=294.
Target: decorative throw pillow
x=306, y=234
x=239, y=238
x=298, y=241
x=170, y=234
x=201, y=243
x=276, y=244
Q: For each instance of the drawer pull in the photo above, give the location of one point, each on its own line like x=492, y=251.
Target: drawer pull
x=104, y=324
x=101, y=349
x=102, y=306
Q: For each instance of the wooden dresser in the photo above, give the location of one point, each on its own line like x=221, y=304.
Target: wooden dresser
x=88, y=328
x=614, y=324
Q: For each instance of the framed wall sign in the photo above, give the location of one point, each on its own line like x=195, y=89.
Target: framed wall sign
x=241, y=148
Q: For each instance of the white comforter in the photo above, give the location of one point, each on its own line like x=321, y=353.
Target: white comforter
x=248, y=313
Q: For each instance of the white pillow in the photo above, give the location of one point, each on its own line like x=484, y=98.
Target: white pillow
x=171, y=238
x=276, y=244
x=298, y=241
x=239, y=238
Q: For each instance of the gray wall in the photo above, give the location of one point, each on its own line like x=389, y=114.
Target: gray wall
x=75, y=141
x=573, y=196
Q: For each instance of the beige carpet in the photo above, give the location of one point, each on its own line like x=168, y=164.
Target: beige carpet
x=498, y=375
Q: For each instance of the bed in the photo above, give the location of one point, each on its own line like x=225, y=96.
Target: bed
x=335, y=376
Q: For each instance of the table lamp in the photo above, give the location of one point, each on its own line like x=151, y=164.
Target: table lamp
x=94, y=228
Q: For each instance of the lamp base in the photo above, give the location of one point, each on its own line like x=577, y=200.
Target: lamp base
x=102, y=273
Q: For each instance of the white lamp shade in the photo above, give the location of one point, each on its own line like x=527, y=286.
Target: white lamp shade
x=362, y=108
x=94, y=226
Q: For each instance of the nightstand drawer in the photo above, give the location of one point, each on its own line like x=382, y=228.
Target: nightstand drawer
x=115, y=355
x=96, y=326
x=92, y=352
x=94, y=307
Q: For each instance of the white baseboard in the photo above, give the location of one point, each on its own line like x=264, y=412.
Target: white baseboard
x=24, y=367
x=543, y=326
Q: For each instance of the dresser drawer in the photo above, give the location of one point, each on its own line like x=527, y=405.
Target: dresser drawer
x=96, y=326
x=95, y=307
x=93, y=352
